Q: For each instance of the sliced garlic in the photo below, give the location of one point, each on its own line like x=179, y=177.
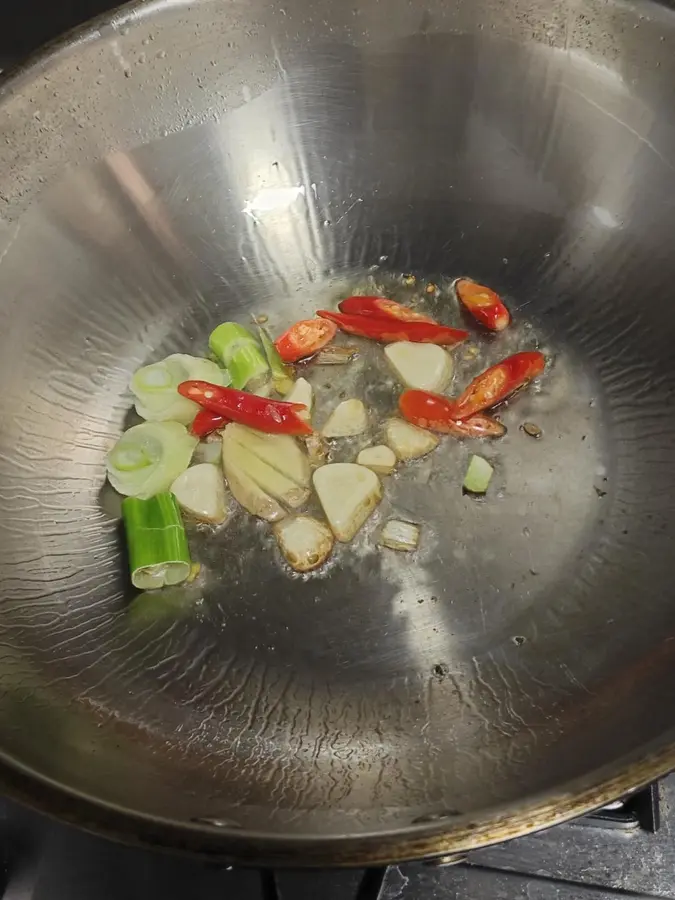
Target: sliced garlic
x=408, y=441
x=349, y=418
x=302, y=393
x=381, y=459
x=348, y=494
x=200, y=491
x=305, y=542
x=426, y=367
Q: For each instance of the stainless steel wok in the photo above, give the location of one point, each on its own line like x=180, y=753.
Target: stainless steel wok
x=177, y=164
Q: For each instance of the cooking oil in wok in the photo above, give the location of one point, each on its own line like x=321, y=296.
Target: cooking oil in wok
x=505, y=547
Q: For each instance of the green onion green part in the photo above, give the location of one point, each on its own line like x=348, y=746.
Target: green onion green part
x=478, y=476
x=158, y=548
x=241, y=354
x=282, y=375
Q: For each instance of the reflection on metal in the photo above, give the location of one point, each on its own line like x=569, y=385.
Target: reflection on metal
x=271, y=199
x=450, y=859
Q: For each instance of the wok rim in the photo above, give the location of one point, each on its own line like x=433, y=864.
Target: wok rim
x=228, y=845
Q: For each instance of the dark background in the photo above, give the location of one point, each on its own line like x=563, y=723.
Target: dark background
x=27, y=24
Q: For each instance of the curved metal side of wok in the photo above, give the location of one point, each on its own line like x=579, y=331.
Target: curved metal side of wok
x=174, y=165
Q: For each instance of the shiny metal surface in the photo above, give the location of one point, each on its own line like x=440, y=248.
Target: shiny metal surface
x=180, y=164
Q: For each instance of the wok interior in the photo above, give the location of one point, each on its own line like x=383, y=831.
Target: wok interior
x=383, y=693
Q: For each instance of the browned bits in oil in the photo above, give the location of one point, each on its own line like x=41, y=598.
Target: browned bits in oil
x=431, y=288
x=532, y=430
x=409, y=280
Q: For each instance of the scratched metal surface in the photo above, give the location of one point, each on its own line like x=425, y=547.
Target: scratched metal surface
x=526, y=147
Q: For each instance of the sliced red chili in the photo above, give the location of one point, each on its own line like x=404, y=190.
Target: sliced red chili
x=498, y=382
x=478, y=426
x=483, y=303
x=272, y=416
x=388, y=331
x=305, y=339
x=437, y=413
x=381, y=307
x=206, y=422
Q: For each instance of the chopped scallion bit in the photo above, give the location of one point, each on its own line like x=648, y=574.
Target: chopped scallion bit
x=158, y=548
x=149, y=457
x=402, y=536
x=282, y=375
x=155, y=387
x=478, y=476
x=241, y=354
x=335, y=355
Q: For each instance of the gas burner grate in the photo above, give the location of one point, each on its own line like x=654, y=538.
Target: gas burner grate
x=640, y=809
x=370, y=887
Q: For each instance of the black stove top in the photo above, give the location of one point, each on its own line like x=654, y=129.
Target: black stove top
x=25, y=26
x=627, y=851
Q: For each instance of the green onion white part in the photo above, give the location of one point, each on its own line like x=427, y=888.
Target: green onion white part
x=242, y=355
x=402, y=536
x=149, y=457
x=156, y=541
x=478, y=476
x=155, y=387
